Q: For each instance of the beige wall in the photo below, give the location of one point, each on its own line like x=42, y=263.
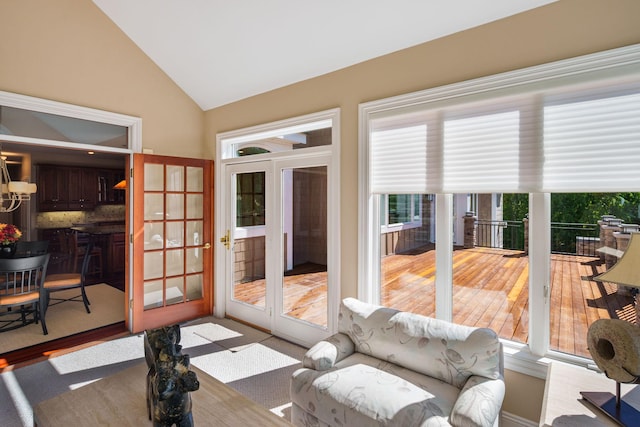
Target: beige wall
x=563, y=29
x=69, y=51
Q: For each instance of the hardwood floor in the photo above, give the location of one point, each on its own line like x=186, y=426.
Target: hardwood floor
x=45, y=350
x=491, y=289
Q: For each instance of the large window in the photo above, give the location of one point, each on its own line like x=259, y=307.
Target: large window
x=569, y=127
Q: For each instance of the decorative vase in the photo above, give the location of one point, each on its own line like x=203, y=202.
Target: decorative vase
x=7, y=251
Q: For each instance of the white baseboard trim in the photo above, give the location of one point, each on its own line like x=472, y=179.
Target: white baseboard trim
x=510, y=420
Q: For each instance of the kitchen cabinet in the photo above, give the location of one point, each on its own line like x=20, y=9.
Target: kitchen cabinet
x=107, y=178
x=53, y=194
x=83, y=188
x=116, y=257
x=66, y=188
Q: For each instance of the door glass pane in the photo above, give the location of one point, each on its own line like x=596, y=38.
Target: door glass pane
x=175, y=262
x=153, y=236
x=153, y=177
x=250, y=199
x=194, y=287
x=153, y=206
x=175, y=206
x=194, y=260
x=153, y=265
x=194, y=179
x=153, y=294
x=175, y=233
x=304, y=209
x=194, y=206
x=174, y=290
x=175, y=178
x=194, y=233
x=249, y=240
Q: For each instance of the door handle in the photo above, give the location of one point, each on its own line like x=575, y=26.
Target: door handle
x=225, y=240
x=207, y=245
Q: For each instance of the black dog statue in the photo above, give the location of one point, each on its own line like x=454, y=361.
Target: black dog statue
x=169, y=379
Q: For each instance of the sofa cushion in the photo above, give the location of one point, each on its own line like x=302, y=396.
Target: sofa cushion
x=444, y=350
x=363, y=391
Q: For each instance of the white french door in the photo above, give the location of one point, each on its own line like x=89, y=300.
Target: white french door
x=277, y=238
x=249, y=187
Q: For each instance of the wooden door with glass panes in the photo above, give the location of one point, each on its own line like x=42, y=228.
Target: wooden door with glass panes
x=172, y=263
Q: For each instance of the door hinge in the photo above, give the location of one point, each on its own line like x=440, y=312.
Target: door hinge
x=131, y=304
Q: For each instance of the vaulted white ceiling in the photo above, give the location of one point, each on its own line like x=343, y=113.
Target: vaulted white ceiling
x=221, y=51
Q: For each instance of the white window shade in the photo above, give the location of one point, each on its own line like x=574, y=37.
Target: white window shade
x=398, y=160
x=592, y=145
x=481, y=153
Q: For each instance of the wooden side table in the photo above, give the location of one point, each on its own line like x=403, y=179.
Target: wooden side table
x=564, y=406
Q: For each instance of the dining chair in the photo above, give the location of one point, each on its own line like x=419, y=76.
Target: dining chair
x=21, y=285
x=31, y=248
x=70, y=280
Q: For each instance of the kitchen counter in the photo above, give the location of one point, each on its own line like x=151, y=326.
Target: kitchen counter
x=100, y=229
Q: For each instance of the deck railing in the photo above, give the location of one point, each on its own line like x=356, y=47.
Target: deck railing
x=566, y=238
x=500, y=234
x=574, y=238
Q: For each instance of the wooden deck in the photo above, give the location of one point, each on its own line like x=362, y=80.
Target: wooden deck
x=491, y=289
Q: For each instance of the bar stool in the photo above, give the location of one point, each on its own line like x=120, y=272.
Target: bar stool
x=77, y=255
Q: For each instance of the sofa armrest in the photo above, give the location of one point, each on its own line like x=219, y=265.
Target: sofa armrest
x=479, y=402
x=325, y=354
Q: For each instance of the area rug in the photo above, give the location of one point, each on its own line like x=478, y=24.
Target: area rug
x=256, y=364
x=68, y=318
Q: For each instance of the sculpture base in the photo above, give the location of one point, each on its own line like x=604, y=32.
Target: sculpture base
x=624, y=414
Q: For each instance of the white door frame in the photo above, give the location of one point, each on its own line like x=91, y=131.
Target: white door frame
x=225, y=155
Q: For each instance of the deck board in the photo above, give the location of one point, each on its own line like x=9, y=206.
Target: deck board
x=491, y=289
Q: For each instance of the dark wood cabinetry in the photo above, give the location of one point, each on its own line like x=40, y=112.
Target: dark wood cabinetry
x=83, y=188
x=66, y=188
x=107, y=179
x=53, y=194
x=117, y=248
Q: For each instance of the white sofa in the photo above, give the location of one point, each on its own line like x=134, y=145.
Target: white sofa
x=393, y=368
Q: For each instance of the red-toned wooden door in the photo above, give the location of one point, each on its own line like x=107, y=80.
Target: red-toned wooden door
x=172, y=254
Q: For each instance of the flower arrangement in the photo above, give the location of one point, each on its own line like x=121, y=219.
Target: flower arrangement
x=9, y=233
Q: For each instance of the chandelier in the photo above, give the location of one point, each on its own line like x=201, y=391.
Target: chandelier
x=12, y=193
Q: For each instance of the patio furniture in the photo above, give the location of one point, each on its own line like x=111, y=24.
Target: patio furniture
x=393, y=368
x=21, y=297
